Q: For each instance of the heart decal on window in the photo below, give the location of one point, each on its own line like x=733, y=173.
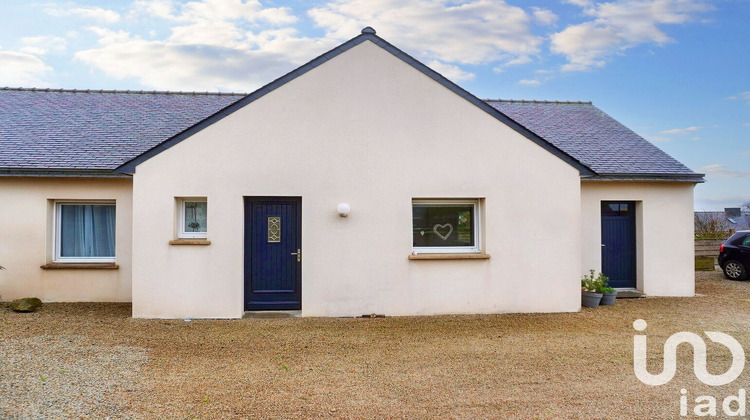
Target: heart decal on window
x=443, y=231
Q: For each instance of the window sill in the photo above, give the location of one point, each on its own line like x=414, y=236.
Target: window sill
x=456, y=256
x=80, y=266
x=186, y=241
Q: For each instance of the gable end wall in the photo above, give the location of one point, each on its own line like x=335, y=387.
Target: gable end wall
x=367, y=129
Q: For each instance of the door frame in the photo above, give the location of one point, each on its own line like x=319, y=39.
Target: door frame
x=248, y=203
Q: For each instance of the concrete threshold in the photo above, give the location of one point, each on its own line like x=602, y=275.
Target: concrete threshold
x=271, y=314
x=629, y=293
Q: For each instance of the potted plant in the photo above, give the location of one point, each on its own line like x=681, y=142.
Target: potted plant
x=609, y=296
x=602, y=286
x=590, y=286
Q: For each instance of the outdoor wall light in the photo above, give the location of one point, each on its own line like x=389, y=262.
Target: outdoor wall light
x=343, y=209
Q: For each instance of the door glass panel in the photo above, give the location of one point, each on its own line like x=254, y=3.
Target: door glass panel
x=274, y=229
x=615, y=209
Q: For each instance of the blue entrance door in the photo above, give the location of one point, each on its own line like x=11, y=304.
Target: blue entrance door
x=618, y=243
x=273, y=255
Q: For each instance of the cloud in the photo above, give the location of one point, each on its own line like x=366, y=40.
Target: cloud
x=581, y=3
x=214, y=11
x=20, y=69
x=530, y=82
x=240, y=45
x=617, y=26
x=467, y=32
x=451, y=72
x=721, y=171
x=745, y=153
x=514, y=62
x=685, y=130
x=658, y=139
x=212, y=45
x=40, y=45
x=224, y=23
x=154, y=8
x=744, y=96
x=243, y=65
x=94, y=13
x=721, y=202
x=544, y=16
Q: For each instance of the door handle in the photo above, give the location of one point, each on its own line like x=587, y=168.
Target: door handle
x=298, y=254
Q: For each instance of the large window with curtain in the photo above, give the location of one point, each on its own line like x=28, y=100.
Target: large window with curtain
x=84, y=232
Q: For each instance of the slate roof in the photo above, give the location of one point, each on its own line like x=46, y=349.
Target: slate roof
x=595, y=139
x=108, y=133
x=64, y=130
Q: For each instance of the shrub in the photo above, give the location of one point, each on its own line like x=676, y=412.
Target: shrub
x=712, y=225
x=595, y=283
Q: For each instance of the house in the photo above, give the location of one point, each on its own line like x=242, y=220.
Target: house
x=362, y=182
x=730, y=220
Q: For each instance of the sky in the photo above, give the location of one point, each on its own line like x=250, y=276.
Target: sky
x=677, y=72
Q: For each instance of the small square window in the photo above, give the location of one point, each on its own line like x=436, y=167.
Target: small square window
x=192, y=218
x=445, y=226
x=84, y=232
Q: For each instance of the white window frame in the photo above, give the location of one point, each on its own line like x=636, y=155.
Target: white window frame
x=58, y=237
x=476, y=225
x=181, y=232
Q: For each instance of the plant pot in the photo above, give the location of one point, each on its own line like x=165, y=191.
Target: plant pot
x=608, y=299
x=590, y=299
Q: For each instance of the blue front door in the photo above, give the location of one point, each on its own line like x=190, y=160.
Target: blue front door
x=618, y=243
x=273, y=255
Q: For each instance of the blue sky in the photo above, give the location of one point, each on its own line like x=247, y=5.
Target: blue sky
x=675, y=71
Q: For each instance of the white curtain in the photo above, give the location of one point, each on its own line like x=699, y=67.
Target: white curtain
x=87, y=230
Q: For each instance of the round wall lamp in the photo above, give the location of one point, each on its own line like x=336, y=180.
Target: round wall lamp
x=343, y=209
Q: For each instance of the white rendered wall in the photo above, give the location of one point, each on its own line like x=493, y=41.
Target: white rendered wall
x=367, y=129
x=664, y=232
x=26, y=232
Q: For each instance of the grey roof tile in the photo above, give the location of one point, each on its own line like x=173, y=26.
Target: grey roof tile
x=593, y=137
x=93, y=130
x=100, y=130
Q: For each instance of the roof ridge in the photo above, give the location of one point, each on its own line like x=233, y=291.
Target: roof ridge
x=141, y=92
x=532, y=101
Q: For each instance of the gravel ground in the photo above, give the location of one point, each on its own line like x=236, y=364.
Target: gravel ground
x=65, y=376
x=94, y=361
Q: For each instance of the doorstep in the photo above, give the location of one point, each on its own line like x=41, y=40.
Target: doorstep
x=629, y=293
x=271, y=314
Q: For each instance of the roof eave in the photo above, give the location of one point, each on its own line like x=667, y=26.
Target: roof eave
x=61, y=173
x=646, y=177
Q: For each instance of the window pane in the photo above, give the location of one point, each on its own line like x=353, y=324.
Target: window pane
x=443, y=225
x=87, y=230
x=195, y=216
x=615, y=209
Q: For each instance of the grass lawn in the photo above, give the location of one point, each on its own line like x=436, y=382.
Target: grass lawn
x=575, y=365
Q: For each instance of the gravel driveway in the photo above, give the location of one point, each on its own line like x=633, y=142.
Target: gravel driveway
x=94, y=361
